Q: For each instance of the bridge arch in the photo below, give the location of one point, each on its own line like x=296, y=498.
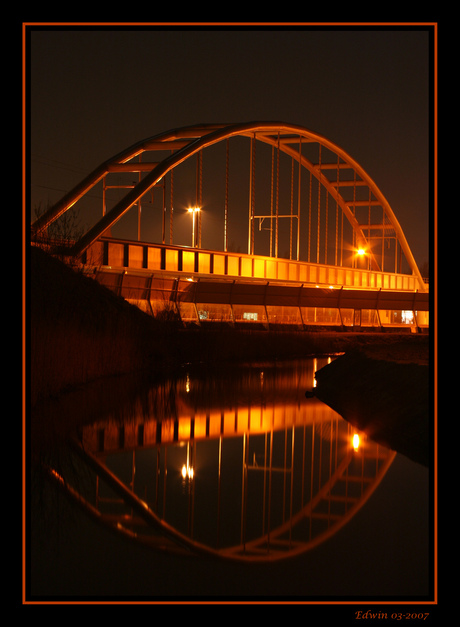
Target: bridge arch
x=339, y=177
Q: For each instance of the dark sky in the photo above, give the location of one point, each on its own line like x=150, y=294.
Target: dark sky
x=94, y=92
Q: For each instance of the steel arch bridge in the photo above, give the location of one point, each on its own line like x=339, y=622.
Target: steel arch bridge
x=310, y=213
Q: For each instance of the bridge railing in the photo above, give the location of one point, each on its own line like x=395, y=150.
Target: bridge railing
x=247, y=301
x=191, y=261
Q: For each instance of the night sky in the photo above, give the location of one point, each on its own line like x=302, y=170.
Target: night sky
x=93, y=92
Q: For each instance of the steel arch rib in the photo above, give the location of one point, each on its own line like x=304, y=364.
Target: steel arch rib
x=200, y=137
x=69, y=199
x=335, y=194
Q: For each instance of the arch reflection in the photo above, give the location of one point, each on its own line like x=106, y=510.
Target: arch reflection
x=242, y=467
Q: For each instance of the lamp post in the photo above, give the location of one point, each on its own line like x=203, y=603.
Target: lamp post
x=193, y=211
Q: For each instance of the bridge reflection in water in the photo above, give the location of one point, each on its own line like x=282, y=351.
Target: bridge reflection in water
x=242, y=467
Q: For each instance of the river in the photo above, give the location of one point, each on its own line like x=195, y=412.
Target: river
x=230, y=484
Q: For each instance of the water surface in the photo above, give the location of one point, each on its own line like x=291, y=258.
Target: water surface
x=233, y=484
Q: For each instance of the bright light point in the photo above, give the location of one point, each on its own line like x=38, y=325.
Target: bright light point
x=193, y=209
x=361, y=251
x=356, y=441
x=187, y=471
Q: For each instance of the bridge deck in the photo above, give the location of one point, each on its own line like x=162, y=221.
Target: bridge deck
x=203, y=286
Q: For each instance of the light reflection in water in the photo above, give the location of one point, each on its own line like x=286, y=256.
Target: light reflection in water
x=241, y=465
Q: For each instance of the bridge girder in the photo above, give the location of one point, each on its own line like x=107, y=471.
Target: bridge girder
x=188, y=141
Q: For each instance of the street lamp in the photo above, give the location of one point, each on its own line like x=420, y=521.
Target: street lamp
x=194, y=211
x=361, y=253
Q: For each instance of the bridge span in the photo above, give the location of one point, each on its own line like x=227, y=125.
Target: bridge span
x=324, y=247
x=202, y=286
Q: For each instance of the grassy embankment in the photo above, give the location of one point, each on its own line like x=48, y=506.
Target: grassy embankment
x=80, y=331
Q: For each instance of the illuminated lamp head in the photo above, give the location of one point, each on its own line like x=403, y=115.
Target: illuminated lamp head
x=356, y=441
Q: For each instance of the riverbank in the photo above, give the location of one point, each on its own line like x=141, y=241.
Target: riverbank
x=81, y=332
x=385, y=393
